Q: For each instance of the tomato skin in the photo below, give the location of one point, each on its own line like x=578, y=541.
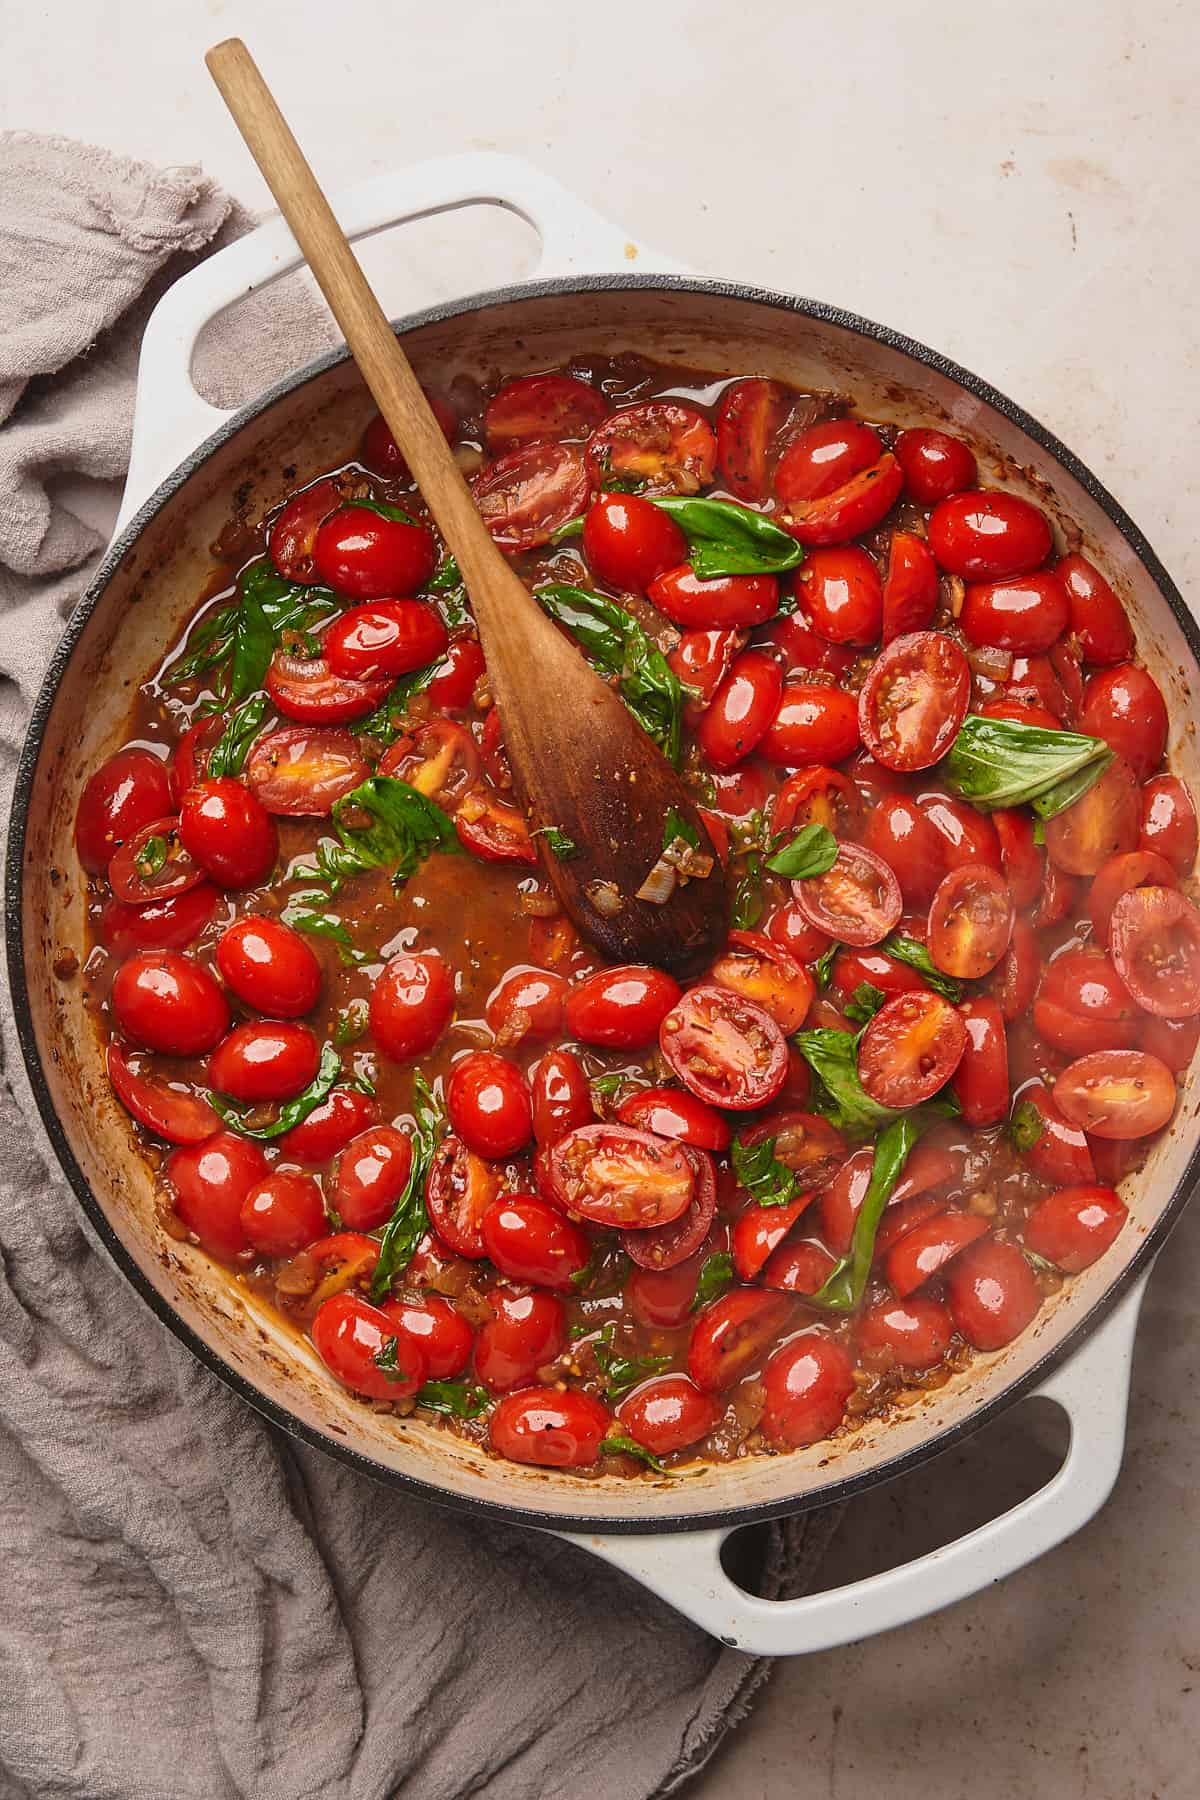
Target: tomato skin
x=853, y=967
x=351, y=1337
x=914, y=700
x=843, y=594
x=668, y=1413
x=128, y=791
x=731, y=1334
x=442, y=1334
x=1082, y=1004
x=674, y=1113
x=382, y=454
x=970, y=921
x=1098, y=619
x=935, y=464
x=411, y=1004
x=170, y=924
x=980, y=1082
x=189, y=760
x=549, y=1428
x=358, y=552
x=525, y=1004
x=749, y=416
x=524, y=496
x=537, y=409
x=264, y=1061
x=459, y=1189
x=662, y=1298
x=180, y=1117
x=562, y=1097
x=720, y=602
x=1169, y=826
x=756, y=968
x=760, y=1230
x=1060, y=1152
x=900, y=834
x=702, y=659
x=1101, y=824
x=724, y=1048
x=269, y=966
x=742, y=711
x=493, y=831
x=1022, y=713
x=454, y=685
x=669, y=446
x=283, y=1213
x=915, y=1333
x=300, y=770
x=664, y=1246
x=812, y=724
x=817, y=796
x=849, y=511
x=387, y=637
x=166, y=1002
x=209, y=1182
x=489, y=1106
x=1155, y=941
x=910, y=1049
x=1125, y=707
x=788, y=927
x=617, y=1176
x=1020, y=856
x=294, y=532
x=229, y=833
x=1116, y=1093
x=372, y=1172
x=992, y=1295
x=529, y=1240
x=525, y=1332
x=840, y=1200
x=1026, y=613
x=328, y=1128
x=1074, y=1226
x=807, y=1385
x=620, y=1008
x=966, y=836
x=910, y=586
x=1173, y=1041
x=824, y=457
x=802, y=650
x=984, y=535
x=856, y=901
x=629, y=542
x=1057, y=900
x=925, y=1250
x=439, y=759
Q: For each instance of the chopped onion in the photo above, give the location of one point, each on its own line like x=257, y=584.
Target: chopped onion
x=660, y=883
x=605, y=896
x=690, y=861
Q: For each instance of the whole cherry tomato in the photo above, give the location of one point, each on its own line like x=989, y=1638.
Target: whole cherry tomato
x=988, y=536
x=1026, y=613
x=540, y=409
x=848, y=511
x=529, y=1240
x=719, y=602
x=488, y=1101
x=552, y=1428
x=1169, y=822
x=966, y=835
x=843, y=594
x=166, y=1002
x=525, y=1003
x=914, y=1333
x=732, y=1334
x=629, y=542
x=925, y=1251
x=620, y=1008
x=411, y=1005
x=524, y=1334
x=1082, y=1004
x=1020, y=857
x=1098, y=619
x=283, y=1213
x=812, y=724
x=372, y=554
x=209, y=1182
x=674, y=1113
x=749, y=417
x=1125, y=707
x=760, y=1230
x=386, y=637
x=372, y=1173
x=1074, y=1226
x=269, y=966
x=229, y=833
x=852, y=968
x=910, y=586
x=358, y=1343
x=807, y=1384
x=935, y=464
x=267, y=1060
x=742, y=710
x=329, y=1127
x=457, y=674
x=667, y=1414
x=170, y=924
x=444, y=1337
x=300, y=770
x=702, y=659
x=131, y=789
x=562, y=1097
x=1054, y=1148
x=824, y=457
x=980, y=1081
x=992, y=1295
x=902, y=837
x=170, y=1111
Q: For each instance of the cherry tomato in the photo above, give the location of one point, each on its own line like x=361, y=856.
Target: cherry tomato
x=674, y=1113
x=925, y=1250
x=189, y=762
x=1169, y=822
x=910, y=1049
x=1074, y=1226
x=209, y=1182
x=1054, y=1148
x=970, y=921
x=801, y=1266
x=967, y=836
x=980, y=1082
x=526, y=1003
x=1026, y=613
x=493, y=831
x=987, y=536
x=525, y=496
x=269, y=966
x=1098, y=619
x=841, y=1198
x=669, y=447
x=749, y=417
x=1057, y=900
x=1020, y=857
x=807, y=1384
x=817, y=796
x=788, y=927
x=824, y=457
x=1101, y=824
x=344, y=1260
x=900, y=835
x=304, y=687
x=722, y=601
x=170, y=924
x=170, y=1111
x=1116, y=1093
x=902, y=1216
x=620, y=1008
x=562, y=1097
x=1173, y=1041
x=167, y=1002
x=387, y=637
x=328, y=1128
x=294, y=532
x=152, y=865
x=739, y=792
x=489, y=1106
x=662, y=1298
x=759, y=970
x=669, y=1413
x=229, y=833
x=618, y=1176
x=443, y=1335
x=812, y=724
x=529, y=1240
x=411, y=1005
x=439, y=759
x=760, y=1230
x=300, y=770
x=910, y=586
x=702, y=659
x=629, y=542
x=272, y=1060
x=372, y=1173
x=550, y=1428
x=460, y=1188
x=857, y=901
x=540, y=409
x=1155, y=943
x=525, y=1332
x=724, y=1048
x=665, y=1245
x=742, y=710
x=371, y=556
x=731, y=1334
x=853, y=968
x=130, y=790
x=803, y=1142
x=1125, y=707
x=992, y=1295
x=913, y=1333
x=914, y=700
x=455, y=681
x=848, y=511
x=1021, y=713
x=382, y=453
x=843, y=594
x=359, y=1345
x=283, y=1213
x=935, y=464
x=1082, y=1004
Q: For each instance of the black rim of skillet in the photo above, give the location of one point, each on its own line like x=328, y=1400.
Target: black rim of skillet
x=720, y=1517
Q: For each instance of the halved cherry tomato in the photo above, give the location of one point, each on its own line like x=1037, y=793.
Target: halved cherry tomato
x=1125, y=707
x=992, y=1295
x=411, y=1005
x=910, y=1049
x=666, y=1245
x=970, y=921
x=674, y=1113
x=358, y=1344
x=620, y=1008
x=914, y=1333
x=332, y=1265
x=457, y=675
x=722, y=601
x=843, y=594
x=824, y=457
x=267, y=1060
x=167, y=1002
x=527, y=1239
x=540, y=409
x=209, y=1182
x=526, y=1003
x=525, y=1332
x=283, y=1213
x=848, y=511
x=372, y=556
x=439, y=759
x=327, y=1130
x=667, y=446
x=811, y=725
x=925, y=1250
x=130, y=790
x=487, y=1098
x=1082, y=1004
x=914, y=700
x=269, y=966
x=1027, y=613
x=840, y=1200
x=295, y=530
x=372, y=1173
x=1173, y=1041
x=662, y=1298
x=300, y=770
x=525, y=496
x=857, y=901
x=386, y=637
x=1101, y=824
x=1116, y=1093
x=902, y=1216
x=493, y=831
x=731, y=1334
x=749, y=417
x=1057, y=900
x=617, y=1176
x=160, y=924
x=724, y=1048
x=702, y=659
x=629, y=542
x=1098, y=619
x=803, y=1142
x=1054, y=1148
x=817, y=796
x=171, y=1112
x=382, y=453
x=153, y=865
x=905, y=841
x=935, y=464
x=800, y=1266
x=551, y=1428
x=459, y=1190
x=669, y=1413
x=494, y=751
x=742, y=710
x=755, y=967
x=988, y=536
x=980, y=1082
x=441, y=1332
x=910, y=586
x=304, y=687
x=807, y=1384
x=1074, y=1226
x=1155, y=942
x=562, y=1097
x=761, y=1229
x=1169, y=825
x=1020, y=856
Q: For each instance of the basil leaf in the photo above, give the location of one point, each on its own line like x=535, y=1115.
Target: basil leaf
x=386, y=1359
x=716, y=1276
x=726, y=539
x=208, y=645
x=823, y=967
x=843, y=1287
x=559, y=843
x=231, y=748
x=745, y=909
x=1000, y=762
x=623, y=1373
x=812, y=851
x=406, y=829
x=410, y=1221
x=1026, y=1125
x=390, y=717
x=761, y=1173
x=455, y=1398
x=833, y=1058
x=292, y=1112
x=909, y=950
x=447, y=577
x=151, y=857
x=608, y=1085
x=865, y=1002
x=383, y=507
x=328, y=925
x=626, y=1446
x=615, y=642
x=351, y=1023
x=572, y=529
x=676, y=826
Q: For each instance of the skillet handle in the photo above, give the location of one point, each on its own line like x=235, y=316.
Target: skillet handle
x=684, y=1568
x=171, y=419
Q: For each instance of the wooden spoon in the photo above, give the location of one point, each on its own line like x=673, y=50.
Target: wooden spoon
x=580, y=760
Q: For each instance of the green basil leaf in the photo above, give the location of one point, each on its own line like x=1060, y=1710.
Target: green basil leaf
x=623, y=1373
x=813, y=851
x=838, y=1093
x=560, y=845
x=572, y=529
x=292, y=1112
x=328, y=925
x=410, y=1221
x=616, y=643
x=1026, y=1125
x=823, y=967
x=865, y=1002
x=405, y=829
x=761, y=1173
x=232, y=747
x=627, y=1446
x=209, y=645
x=745, y=908
x=608, y=1085
x=151, y=857
x=726, y=539
x=716, y=1276
x=456, y=1398
x=386, y=1358
x=447, y=577
x=676, y=826
x=1001, y=762
x=911, y=951
x=843, y=1287
x=384, y=508
x=351, y=1023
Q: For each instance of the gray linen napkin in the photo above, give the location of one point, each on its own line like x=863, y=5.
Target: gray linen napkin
x=193, y=1604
